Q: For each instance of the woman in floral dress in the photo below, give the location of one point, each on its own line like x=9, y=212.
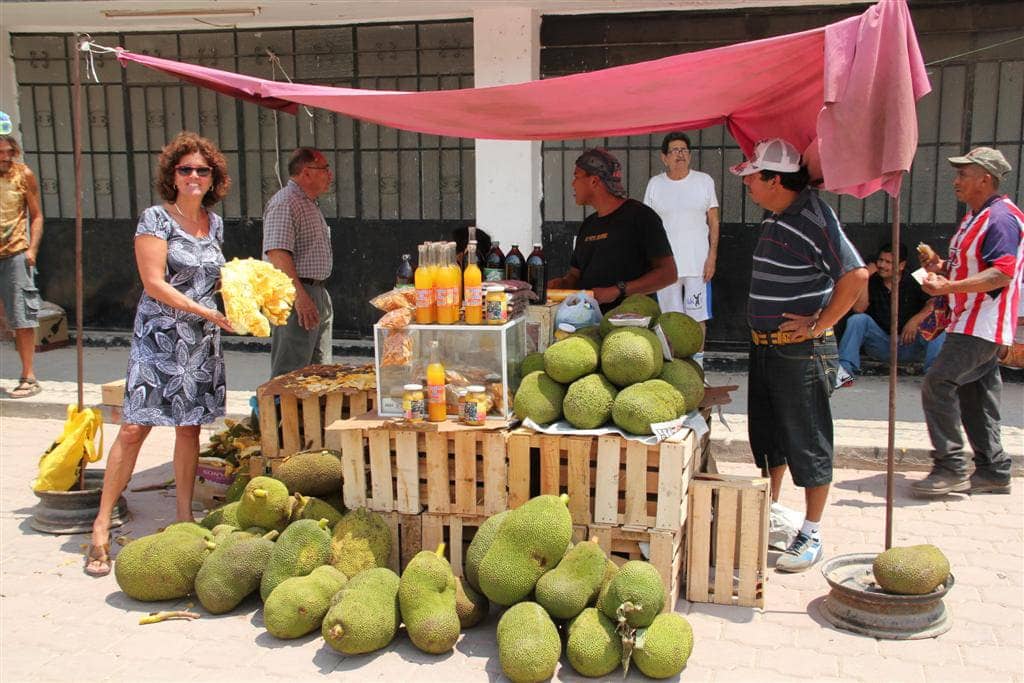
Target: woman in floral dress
x=176, y=368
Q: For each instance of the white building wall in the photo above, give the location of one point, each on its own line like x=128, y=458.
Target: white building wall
x=506, y=49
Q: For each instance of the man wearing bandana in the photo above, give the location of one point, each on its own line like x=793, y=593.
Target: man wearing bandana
x=621, y=248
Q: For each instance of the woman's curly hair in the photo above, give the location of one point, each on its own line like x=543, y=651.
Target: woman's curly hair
x=184, y=143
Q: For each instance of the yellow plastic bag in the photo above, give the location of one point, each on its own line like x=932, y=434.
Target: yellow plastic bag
x=58, y=468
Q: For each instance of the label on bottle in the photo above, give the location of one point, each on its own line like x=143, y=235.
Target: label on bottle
x=424, y=298
x=494, y=274
x=416, y=410
x=435, y=393
x=474, y=296
x=447, y=296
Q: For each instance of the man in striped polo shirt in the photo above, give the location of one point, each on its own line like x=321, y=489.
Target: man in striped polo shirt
x=981, y=279
x=297, y=240
x=806, y=276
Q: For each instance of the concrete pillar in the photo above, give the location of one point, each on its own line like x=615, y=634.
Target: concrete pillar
x=506, y=49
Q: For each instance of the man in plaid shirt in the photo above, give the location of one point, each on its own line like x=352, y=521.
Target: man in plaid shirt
x=297, y=240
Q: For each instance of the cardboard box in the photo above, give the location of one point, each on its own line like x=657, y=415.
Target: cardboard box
x=52, y=332
x=540, y=326
x=213, y=477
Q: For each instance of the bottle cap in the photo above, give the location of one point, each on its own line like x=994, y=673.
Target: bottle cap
x=413, y=387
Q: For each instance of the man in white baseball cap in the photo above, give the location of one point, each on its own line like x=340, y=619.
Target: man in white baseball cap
x=806, y=275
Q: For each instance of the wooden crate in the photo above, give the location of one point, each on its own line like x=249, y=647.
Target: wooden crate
x=540, y=326
x=665, y=552
x=451, y=470
x=457, y=532
x=293, y=418
x=727, y=539
x=112, y=398
x=405, y=538
x=610, y=480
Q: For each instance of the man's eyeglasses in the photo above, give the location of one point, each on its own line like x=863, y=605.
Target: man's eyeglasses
x=186, y=171
x=679, y=152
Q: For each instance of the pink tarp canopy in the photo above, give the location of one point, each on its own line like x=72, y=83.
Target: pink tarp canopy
x=844, y=93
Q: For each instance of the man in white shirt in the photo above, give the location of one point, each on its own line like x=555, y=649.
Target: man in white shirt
x=685, y=199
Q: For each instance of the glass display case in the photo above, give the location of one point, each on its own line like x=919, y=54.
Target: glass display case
x=487, y=355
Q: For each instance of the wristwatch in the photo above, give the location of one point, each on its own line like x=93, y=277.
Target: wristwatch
x=622, y=287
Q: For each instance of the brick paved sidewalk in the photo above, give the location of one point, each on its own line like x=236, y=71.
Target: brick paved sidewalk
x=57, y=624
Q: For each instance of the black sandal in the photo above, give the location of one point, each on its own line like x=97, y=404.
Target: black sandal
x=27, y=386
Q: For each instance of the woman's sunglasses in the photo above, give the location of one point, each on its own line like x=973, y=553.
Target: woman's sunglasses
x=186, y=171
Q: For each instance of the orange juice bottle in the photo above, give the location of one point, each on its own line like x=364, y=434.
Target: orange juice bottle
x=472, y=280
x=437, y=410
x=445, y=288
x=425, y=306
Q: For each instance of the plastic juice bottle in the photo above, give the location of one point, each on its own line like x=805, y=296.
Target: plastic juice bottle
x=437, y=410
x=425, y=309
x=472, y=280
x=445, y=287
x=457, y=270
x=536, y=273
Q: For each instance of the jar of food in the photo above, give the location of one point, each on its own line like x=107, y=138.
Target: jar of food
x=414, y=403
x=475, y=411
x=496, y=305
x=461, y=393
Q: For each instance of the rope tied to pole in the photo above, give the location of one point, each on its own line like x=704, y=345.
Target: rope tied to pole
x=275, y=65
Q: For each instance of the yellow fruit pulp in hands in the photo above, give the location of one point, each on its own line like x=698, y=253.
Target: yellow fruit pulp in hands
x=256, y=296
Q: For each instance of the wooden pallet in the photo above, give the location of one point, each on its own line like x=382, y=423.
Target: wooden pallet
x=665, y=552
x=610, y=480
x=727, y=540
x=457, y=532
x=390, y=468
x=294, y=418
x=406, y=531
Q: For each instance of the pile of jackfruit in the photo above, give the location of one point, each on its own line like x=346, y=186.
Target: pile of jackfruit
x=316, y=566
x=608, y=373
x=256, y=296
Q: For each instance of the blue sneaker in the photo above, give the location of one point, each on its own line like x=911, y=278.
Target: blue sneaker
x=803, y=553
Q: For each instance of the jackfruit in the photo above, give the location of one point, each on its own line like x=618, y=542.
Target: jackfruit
x=688, y=379
x=630, y=355
x=591, y=332
x=636, y=407
x=470, y=605
x=226, y=514
x=588, y=401
x=301, y=548
x=308, y=507
x=237, y=488
x=528, y=643
x=298, y=605
x=592, y=646
x=571, y=358
x=529, y=543
x=913, y=570
x=567, y=589
x=695, y=365
x=636, y=589
x=190, y=528
x=161, y=566
x=311, y=473
x=667, y=393
x=683, y=333
x=662, y=648
x=233, y=570
x=426, y=598
x=265, y=503
x=361, y=540
x=364, y=614
x=532, y=363
x=478, y=547
x=610, y=570
x=539, y=398
x=222, y=531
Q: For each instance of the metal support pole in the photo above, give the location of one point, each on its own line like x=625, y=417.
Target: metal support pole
x=894, y=341
x=77, y=141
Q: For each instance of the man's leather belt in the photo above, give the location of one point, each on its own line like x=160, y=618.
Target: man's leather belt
x=311, y=281
x=778, y=338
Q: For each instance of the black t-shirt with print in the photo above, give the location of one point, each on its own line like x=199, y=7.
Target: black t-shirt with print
x=620, y=246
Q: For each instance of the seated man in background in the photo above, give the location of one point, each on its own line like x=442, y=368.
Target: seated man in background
x=867, y=327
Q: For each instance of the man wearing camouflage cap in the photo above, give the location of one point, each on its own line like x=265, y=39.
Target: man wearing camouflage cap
x=981, y=279
x=621, y=248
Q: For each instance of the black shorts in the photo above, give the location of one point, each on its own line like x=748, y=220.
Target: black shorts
x=788, y=411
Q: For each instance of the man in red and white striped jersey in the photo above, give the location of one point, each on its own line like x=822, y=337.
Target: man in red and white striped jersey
x=981, y=279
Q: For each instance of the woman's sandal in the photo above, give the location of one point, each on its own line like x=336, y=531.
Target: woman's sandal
x=27, y=386
x=97, y=560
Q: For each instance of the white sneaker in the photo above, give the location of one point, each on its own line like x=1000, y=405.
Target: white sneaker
x=843, y=378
